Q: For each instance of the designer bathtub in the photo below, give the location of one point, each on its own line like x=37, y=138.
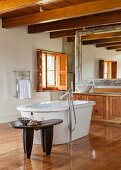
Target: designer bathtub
x=59, y=110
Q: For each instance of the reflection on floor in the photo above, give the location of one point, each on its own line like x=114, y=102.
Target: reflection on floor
x=101, y=150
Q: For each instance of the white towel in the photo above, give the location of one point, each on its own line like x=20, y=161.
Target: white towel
x=24, y=89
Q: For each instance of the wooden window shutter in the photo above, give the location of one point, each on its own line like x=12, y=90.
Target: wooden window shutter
x=62, y=72
x=114, y=69
x=101, y=68
x=39, y=70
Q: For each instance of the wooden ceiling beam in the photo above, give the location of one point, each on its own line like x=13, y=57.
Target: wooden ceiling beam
x=101, y=35
x=86, y=8
x=108, y=44
x=70, y=39
x=10, y=5
x=79, y=22
x=67, y=33
x=106, y=40
x=114, y=47
x=118, y=49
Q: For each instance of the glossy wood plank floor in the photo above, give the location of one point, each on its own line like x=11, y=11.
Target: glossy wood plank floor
x=101, y=150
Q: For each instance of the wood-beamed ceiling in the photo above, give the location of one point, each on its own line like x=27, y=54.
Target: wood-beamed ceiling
x=107, y=18
x=62, y=18
x=99, y=39
x=17, y=6
x=109, y=43
x=87, y=8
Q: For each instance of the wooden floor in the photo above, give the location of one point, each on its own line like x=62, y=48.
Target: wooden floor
x=101, y=150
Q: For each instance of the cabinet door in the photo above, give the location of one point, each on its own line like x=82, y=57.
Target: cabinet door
x=115, y=108
x=99, y=109
x=76, y=97
x=79, y=96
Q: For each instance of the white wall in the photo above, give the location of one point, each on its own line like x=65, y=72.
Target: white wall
x=17, y=52
x=91, y=56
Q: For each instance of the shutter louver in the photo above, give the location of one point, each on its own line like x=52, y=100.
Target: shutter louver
x=62, y=72
x=114, y=69
x=39, y=70
x=101, y=68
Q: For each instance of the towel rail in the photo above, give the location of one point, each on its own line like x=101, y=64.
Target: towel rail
x=20, y=75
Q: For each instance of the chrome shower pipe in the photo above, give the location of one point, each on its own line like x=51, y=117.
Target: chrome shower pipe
x=69, y=95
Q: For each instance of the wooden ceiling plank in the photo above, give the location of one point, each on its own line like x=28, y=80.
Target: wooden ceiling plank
x=87, y=8
x=19, y=12
x=78, y=1
x=107, y=44
x=79, y=22
x=89, y=42
x=10, y=5
x=61, y=3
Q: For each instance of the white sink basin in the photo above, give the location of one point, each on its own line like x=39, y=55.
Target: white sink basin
x=83, y=88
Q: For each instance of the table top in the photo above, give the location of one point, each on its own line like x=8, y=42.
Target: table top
x=44, y=124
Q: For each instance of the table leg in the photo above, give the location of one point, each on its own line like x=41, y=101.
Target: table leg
x=28, y=141
x=47, y=139
x=24, y=140
x=42, y=139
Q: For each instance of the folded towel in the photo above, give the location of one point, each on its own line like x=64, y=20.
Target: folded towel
x=24, y=89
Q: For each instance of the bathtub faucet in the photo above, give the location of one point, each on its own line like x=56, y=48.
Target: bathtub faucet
x=67, y=94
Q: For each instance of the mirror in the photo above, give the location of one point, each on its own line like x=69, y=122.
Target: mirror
x=92, y=51
x=92, y=48
x=91, y=57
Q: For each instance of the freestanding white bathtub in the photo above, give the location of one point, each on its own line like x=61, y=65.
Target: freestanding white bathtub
x=59, y=110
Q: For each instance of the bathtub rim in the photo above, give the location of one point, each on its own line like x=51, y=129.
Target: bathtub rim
x=29, y=108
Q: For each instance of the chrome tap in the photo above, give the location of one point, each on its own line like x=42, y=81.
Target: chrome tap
x=67, y=94
x=93, y=86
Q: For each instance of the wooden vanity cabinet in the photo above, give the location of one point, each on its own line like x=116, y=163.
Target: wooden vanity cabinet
x=99, y=109
x=79, y=96
x=107, y=108
x=115, y=108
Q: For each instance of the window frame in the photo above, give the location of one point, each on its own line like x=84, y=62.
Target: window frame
x=60, y=74
x=111, y=69
x=46, y=70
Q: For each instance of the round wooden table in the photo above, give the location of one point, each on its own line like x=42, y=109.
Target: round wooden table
x=46, y=129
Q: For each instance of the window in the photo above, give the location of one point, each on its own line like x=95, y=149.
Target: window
x=107, y=69
x=51, y=71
